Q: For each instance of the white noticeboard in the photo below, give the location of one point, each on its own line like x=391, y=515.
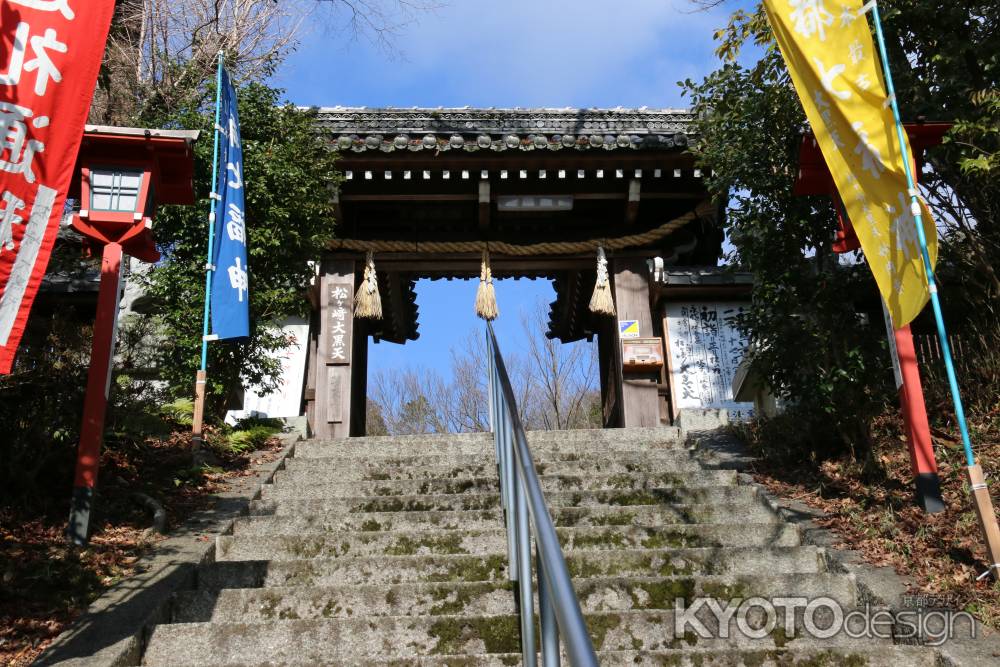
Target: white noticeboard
x=705, y=348
x=286, y=400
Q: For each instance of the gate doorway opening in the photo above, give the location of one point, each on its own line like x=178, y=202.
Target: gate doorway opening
x=438, y=383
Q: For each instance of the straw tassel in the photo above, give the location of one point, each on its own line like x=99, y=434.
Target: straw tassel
x=486, y=298
x=601, y=302
x=368, y=301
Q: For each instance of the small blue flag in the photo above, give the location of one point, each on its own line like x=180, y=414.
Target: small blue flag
x=230, y=281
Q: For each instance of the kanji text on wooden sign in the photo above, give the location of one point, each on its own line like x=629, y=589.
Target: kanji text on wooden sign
x=341, y=314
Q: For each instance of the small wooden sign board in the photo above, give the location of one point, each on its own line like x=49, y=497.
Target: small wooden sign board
x=642, y=354
x=341, y=324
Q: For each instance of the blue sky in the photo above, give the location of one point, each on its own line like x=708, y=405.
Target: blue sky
x=505, y=53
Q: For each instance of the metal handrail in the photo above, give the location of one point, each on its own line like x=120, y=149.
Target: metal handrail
x=526, y=515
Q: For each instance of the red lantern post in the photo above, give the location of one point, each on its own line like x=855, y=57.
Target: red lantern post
x=124, y=174
x=814, y=179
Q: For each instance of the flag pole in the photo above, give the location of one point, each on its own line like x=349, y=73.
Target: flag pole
x=980, y=492
x=201, y=376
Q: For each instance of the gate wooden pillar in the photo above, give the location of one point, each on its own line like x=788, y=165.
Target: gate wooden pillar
x=639, y=397
x=609, y=367
x=339, y=367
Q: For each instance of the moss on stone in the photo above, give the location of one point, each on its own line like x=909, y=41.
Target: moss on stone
x=583, y=568
x=637, y=497
x=600, y=540
x=489, y=568
x=499, y=634
x=623, y=519
x=621, y=481
x=721, y=591
x=331, y=608
x=396, y=504
x=371, y=525
x=304, y=548
x=437, y=544
x=662, y=594
x=302, y=574
x=268, y=605
x=599, y=625
x=452, y=601
x=667, y=539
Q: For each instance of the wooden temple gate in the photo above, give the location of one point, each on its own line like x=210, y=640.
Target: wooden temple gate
x=427, y=190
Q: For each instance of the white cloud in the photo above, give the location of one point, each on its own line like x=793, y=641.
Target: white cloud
x=524, y=53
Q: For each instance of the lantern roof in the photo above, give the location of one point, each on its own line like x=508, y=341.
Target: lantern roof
x=814, y=176
x=171, y=152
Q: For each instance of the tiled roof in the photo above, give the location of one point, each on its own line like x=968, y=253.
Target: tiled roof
x=362, y=129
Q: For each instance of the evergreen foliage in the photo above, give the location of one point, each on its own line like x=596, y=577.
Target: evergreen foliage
x=289, y=169
x=827, y=363
x=808, y=339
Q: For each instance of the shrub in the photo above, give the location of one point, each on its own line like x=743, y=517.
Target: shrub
x=250, y=434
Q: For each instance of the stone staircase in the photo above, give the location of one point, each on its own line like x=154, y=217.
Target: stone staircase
x=392, y=551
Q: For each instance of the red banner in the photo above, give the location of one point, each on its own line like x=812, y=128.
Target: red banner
x=50, y=53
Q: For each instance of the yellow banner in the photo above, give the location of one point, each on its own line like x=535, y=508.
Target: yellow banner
x=828, y=48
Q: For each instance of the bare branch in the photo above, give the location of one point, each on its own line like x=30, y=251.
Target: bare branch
x=160, y=53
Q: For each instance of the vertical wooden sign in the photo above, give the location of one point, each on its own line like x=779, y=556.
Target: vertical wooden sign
x=341, y=324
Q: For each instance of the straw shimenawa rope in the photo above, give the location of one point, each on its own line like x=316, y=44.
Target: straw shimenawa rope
x=703, y=210
x=602, y=302
x=486, y=298
x=368, y=301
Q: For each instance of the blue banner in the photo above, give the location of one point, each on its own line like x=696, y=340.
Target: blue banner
x=230, y=281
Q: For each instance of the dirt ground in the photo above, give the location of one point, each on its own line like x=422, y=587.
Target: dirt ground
x=45, y=584
x=943, y=553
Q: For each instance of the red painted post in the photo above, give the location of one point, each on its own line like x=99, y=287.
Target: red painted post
x=96, y=401
x=911, y=398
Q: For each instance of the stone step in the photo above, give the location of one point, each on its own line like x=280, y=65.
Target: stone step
x=465, y=568
x=647, y=434
x=321, y=504
x=485, y=542
x=657, y=460
x=846, y=656
x=293, y=485
x=869, y=656
x=638, y=515
x=596, y=595
x=585, y=441
x=365, y=640
x=369, y=471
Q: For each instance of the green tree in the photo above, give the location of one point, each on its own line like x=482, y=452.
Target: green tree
x=807, y=339
x=288, y=169
x=946, y=60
